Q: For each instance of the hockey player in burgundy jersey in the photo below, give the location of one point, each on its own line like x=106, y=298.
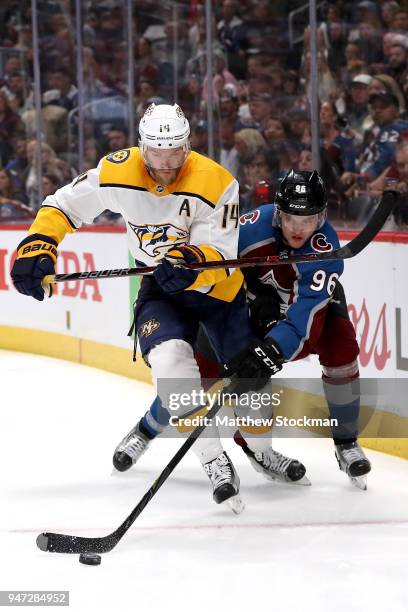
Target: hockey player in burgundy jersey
x=301, y=309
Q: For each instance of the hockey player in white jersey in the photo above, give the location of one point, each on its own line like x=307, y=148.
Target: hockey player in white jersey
x=178, y=206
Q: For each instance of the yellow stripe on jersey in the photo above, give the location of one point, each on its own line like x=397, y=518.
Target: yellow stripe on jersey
x=199, y=177
x=227, y=290
x=209, y=277
x=51, y=222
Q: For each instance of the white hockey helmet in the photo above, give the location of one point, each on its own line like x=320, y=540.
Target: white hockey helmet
x=164, y=127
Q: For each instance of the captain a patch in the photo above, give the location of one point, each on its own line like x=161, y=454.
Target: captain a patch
x=119, y=156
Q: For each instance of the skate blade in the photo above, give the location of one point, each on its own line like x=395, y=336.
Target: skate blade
x=235, y=504
x=304, y=481
x=359, y=481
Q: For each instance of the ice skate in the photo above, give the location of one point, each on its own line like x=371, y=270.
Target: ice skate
x=130, y=449
x=225, y=482
x=273, y=465
x=352, y=460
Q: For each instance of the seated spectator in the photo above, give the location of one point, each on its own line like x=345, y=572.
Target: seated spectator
x=356, y=106
x=389, y=40
x=18, y=160
x=354, y=62
x=377, y=157
x=146, y=65
x=340, y=148
x=228, y=153
x=327, y=87
x=274, y=132
x=232, y=34
x=383, y=83
x=398, y=65
x=258, y=167
x=397, y=175
x=293, y=97
x=399, y=21
x=229, y=106
x=190, y=96
x=117, y=138
x=298, y=123
x=222, y=76
x=261, y=109
x=147, y=89
x=368, y=34
x=336, y=201
x=51, y=164
x=12, y=203
x=53, y=124
x=199, y=137
x=19, y=92
x=50, y=184
x=92, y=154
x=60, y=41
x=62, y=91
x=10, y=125
x=247, y=142
x=388, y=11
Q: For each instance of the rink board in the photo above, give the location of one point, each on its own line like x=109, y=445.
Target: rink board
x=87, y=322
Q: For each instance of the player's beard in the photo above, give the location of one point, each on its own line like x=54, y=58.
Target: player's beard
x=164, y=177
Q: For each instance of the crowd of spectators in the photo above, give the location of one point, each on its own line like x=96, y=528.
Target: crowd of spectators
x=260, y=89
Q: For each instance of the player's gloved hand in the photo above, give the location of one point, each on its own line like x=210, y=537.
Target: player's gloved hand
x=265, y=312
x=36, y=257
x=171, y=277
x=255, y=364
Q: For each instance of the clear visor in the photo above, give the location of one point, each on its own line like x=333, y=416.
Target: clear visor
x=164, y=159
x=302, y=222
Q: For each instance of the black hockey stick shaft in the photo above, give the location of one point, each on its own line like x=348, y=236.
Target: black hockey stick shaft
x=353, y=248
x=63, y=543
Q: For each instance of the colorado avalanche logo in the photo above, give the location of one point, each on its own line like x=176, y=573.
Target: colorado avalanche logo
x=156, y=239
x=319, y=243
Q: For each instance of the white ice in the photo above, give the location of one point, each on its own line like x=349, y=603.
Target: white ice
x=328, y=547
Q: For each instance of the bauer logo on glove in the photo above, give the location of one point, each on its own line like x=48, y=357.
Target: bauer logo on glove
x=36, y=258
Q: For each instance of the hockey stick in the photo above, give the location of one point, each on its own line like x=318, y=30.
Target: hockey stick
x=62, y=543
x=353, y=248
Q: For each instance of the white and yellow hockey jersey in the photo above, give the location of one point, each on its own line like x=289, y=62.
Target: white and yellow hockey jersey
x=199, y=208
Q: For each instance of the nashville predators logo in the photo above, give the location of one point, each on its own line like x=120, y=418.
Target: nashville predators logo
x=154, y=240
x=149, y=327
x=119, y=156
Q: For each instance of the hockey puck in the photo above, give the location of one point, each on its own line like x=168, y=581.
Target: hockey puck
x=90, y=559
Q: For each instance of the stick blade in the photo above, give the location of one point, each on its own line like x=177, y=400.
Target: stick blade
x=42, y=541
x=63, y=543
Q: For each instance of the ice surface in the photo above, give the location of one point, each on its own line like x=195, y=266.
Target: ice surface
x=328, y=548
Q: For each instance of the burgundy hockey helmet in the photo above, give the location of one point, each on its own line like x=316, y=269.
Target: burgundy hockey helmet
x=301, y=193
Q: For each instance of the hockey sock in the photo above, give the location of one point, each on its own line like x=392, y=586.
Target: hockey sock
x=343, y=401
x=155, y=420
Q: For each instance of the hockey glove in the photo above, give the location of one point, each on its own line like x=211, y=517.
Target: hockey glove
x=36, y=257
x=255, y=365
x=170, y=276
x=265, y=312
